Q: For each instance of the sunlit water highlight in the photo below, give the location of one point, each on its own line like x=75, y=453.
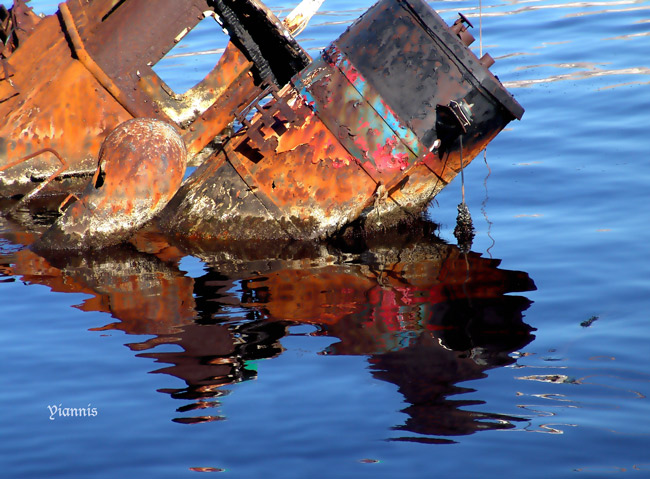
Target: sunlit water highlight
x=408, y=361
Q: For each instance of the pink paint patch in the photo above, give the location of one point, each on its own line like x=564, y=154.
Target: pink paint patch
x=352, y=75
x=361, y=143
x=386, y=160
x=309, y=103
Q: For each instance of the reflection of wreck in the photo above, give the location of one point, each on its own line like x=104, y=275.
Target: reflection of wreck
x=370, y=130
x=426, y=315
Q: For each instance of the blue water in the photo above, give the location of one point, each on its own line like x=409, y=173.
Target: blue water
x=208, y=372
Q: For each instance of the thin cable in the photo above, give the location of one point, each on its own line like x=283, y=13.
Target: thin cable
x=462, y=170
x=480, y=28
x=484, y=204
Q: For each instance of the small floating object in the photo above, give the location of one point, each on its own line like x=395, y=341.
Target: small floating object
x=141, y=166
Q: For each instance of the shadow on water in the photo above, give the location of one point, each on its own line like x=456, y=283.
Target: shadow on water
x=426, y=315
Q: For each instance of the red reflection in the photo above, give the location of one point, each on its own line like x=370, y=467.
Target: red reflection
x=426, y=315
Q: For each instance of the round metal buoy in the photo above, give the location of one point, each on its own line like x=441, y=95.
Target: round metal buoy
x=141, y=166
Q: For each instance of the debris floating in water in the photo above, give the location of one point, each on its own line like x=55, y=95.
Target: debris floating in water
x=588, y=322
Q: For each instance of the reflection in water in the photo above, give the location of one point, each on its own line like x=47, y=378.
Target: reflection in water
x=614, y=10
x=426, y=315
x=580, y=75
x=529, y=6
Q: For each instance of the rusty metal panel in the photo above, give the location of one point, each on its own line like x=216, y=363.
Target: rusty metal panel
x=142, y=32
x=402, y=61
x=60, y=106
x=383, y=109
x=474, y=67
x=312, y=181
x=353, y=121
x=415, y=62
x=215, y=204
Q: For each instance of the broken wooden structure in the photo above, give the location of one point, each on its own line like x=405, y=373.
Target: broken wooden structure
x=366, y=134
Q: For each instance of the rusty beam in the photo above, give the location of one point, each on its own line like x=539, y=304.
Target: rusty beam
x=65, y=88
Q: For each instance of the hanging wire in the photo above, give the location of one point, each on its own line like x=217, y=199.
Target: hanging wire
x=484, y=204
x=464, y=231
x=480, y=29
x=462, y=170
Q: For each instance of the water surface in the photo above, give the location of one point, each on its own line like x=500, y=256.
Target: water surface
x=405, y=358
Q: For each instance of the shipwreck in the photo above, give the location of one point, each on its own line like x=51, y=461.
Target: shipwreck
x=289, y=147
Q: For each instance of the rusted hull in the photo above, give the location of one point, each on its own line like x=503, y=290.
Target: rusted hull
x=363, y=136
x=57, y=99
x=368, y=133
